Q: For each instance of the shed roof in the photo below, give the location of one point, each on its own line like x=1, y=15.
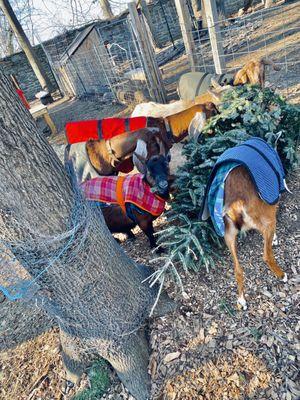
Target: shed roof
x=71, y=49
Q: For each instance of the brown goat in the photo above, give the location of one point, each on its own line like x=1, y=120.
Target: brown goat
x=254, y=72
x=122, y=147
x=106, y=155
x=118, y=222
x=244, y=210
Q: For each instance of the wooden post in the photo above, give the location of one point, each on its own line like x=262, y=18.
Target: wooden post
x=147, y=15
x=186, y=30
x=153, y=74
x=215, y=35
x=203, y=15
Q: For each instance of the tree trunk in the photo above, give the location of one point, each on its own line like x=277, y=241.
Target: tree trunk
x=88, y=283
x=196, y=6
x=106, y=9
x=10, y=43
x=26, y=46
x=203, y=13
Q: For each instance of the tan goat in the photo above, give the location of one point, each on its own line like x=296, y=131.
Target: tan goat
x=244, y=210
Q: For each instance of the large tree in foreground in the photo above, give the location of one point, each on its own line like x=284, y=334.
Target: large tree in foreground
x=90, y=286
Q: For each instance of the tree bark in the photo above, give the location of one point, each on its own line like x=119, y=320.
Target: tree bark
x=95, y=290
x=10, y=43
x=106, y=9
x=26, y=46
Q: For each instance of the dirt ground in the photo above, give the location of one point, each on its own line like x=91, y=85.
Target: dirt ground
x=206, y=349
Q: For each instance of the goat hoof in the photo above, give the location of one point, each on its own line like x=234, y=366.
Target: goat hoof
x=285, y=278
x=275, y=240
x=241, y=303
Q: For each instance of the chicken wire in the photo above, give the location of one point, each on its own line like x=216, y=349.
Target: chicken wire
x=37, y=268
x=127, y=74
x=265, y=32
x=105, y=69
x=114, y=68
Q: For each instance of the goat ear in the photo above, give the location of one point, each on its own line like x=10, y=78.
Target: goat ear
x=196, y=125
x=240, y=78
x=140, y=158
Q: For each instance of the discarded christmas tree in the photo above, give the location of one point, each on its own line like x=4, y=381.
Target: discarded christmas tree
x=245, y=112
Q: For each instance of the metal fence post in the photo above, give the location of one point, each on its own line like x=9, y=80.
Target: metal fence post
x=152, y=71
x=186, y=30
x=215, y=35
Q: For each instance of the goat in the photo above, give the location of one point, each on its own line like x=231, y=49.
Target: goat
x=252, y=73
x=106, y=157
x=245, y=210
x=242, y=193
x=100, y=157
x=157, y=110
x=128, y=213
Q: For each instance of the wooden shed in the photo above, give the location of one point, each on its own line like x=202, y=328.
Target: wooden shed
x=85, y=65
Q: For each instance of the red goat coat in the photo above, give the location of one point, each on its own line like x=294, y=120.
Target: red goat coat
x=107, y=128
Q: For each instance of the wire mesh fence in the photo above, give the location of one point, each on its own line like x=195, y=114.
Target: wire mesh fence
x=109, y=65
x=92, y=66
x=272, y=33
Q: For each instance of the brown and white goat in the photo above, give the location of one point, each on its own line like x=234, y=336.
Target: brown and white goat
x=244, y=210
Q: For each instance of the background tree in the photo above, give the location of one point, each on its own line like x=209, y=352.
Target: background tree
x=25, y=12
x=106, y=9
x=16, y=27
x=82, y=277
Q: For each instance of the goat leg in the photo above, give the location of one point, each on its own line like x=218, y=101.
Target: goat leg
x=149, y=231
x=130, y=235
x=269, y=258
x=230, y=239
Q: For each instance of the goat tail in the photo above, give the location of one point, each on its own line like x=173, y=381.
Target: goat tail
x=236, y=213
x=268, y=61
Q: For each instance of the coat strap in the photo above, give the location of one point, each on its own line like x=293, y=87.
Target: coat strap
x=119, y=193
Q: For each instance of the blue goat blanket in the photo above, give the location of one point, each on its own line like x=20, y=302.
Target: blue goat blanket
x=264, y=167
